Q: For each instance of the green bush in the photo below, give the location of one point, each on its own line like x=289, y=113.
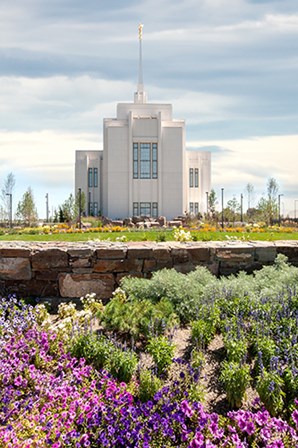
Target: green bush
x=197, y=359
x=138, y=318
x=185, y=292
x=290, y=379
x=122, y=364
x=149, y=384
x=236, y=349
x=235, y=379
x=102, y=353
x=270, y=389
x=202, y=332
x=266, y=348
x=162, y=352
x=96, y=350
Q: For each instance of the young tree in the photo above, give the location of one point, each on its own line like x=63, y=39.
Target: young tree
x=83, y=203
x=212, y=214
x=6, y=190
x=26, y=210
x=268, y=207
x=69, y=210
x=250, y=190
x=232, y=210
x=212, y=201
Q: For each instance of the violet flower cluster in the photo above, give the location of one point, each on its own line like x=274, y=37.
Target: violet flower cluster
x=49, y=398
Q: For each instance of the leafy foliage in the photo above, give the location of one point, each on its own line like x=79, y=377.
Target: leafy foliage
x=138, y=318
x=149, y=384
x=270, y=389
x=185, y=292
x=162, y=352
x=103, y=353
x=202, y=332
x=49, y=398
x=235, y=378
x=26, y=210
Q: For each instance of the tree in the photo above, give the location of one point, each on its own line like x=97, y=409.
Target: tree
x=83, y=203
x=6, y=190
x=232, y=210
x=26, y=210
x=212, y=214
x=268, y=207
x=212, y=201
x=69, y=210
x=250, y=190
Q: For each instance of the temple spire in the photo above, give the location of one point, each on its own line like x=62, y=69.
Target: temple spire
x=140, y=95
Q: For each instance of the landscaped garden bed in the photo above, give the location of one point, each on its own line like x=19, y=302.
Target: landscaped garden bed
x=174, y=361
x=196, y=232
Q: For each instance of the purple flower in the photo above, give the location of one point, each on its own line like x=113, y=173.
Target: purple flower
x=295, y=416
x=186, y=409
x=261, y=417
x=265, y=434
x=250, y=428
x=276, y=444
x=198, y=441
x=18, y=381
x=209, y=444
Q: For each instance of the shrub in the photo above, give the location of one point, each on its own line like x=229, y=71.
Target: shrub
x=197, y=359
x=138, y=318
x=162, y=352
x=122, y=364
x=202, y=332
x=266, y=349
x=102, y=353
x=95, y=350
x=185, y=292
x=270, y=389
x=149, y=384
x=236, y=349
x=235, y=379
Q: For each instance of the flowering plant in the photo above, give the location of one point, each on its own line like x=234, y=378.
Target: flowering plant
x=66, y=310
x=182, y=235
x=90, y=303
x=50, y=398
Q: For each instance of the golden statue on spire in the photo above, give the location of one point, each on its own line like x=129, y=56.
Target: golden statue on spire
x=140, y=31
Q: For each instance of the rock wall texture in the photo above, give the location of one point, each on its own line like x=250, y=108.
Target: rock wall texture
x=70, y=270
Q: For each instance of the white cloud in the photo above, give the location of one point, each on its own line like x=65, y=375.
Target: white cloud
x=59, y=102
x=43, y=160
x=255, y=160
x=229, y=67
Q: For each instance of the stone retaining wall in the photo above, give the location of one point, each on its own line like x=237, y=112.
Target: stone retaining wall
x=70, y=270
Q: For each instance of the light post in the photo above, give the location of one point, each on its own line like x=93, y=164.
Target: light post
x=295, y=202
x=47, y=207
x=207, y=204
x=241, y=209
x=80, y=208
x=222, y=208
x=279, y=196
x=10, y=209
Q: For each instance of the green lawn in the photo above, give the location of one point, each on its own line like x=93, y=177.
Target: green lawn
x=151, y=235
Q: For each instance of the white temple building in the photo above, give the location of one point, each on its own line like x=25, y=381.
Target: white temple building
x=144, y=168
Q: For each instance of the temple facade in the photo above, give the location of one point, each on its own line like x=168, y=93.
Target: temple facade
x=144, y=168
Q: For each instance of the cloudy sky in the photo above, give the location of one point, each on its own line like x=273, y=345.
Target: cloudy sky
x=229, y=67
